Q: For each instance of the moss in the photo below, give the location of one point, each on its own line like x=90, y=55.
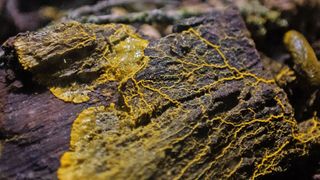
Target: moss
x=258, y=16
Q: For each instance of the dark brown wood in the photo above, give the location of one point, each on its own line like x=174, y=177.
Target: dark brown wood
x=34, y=129
x=203, y=106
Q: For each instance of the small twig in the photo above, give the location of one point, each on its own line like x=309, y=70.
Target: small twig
x=2, y=62
x=148, y=17
x=107, y=4
x=2, y=4
x=22, y=20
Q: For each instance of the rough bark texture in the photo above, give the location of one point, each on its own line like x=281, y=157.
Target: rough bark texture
x=34, y=132
x=200, y=105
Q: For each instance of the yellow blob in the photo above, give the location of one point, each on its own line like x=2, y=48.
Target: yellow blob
x=81, y=128
x=74, y=93
x=127, y=58
x=124, y=60
x=85, y=137
x=304, y=57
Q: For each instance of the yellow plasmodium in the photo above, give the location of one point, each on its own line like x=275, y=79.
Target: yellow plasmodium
x=121, y=161
x=127, y=57
x=104, y=145
x=73, y=93
x=309, y=130
x=304, y=57
x=122, y=62
x=308, y=66
x=96, y=134
x=81, y=128
x=35, y=49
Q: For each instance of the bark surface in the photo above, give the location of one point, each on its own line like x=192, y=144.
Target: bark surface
x=194, y=104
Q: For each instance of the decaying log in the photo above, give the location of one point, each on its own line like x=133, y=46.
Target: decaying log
x=194, y=104
x=34, y=132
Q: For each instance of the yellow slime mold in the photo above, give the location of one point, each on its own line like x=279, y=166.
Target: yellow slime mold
x=125, y=59
x=196, y=104
x=304, y=57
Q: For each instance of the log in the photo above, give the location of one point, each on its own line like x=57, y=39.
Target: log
x=195, y=104
x=35, y=129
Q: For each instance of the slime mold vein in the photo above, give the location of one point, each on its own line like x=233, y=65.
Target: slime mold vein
x=194, y=104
